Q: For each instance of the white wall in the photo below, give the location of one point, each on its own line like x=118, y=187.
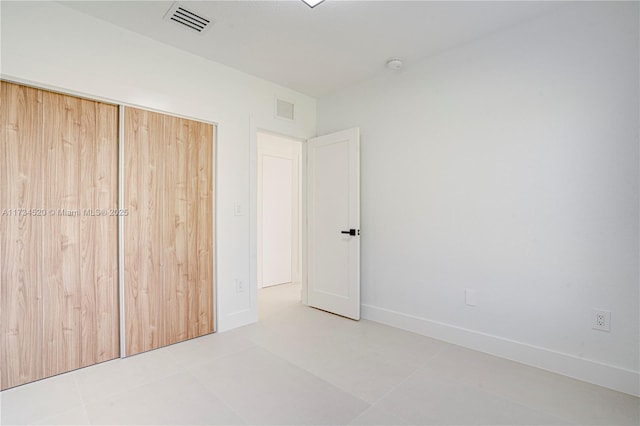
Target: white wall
x=509, y=165
x=53, y=46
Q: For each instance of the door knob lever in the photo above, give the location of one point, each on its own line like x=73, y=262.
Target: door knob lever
x=352, y=232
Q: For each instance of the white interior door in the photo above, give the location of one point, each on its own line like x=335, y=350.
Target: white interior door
x=277, y=223
x=333, y=190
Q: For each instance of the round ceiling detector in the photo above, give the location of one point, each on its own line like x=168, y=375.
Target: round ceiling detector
x=394, y=64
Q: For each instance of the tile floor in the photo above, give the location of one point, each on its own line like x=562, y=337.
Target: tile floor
x=303, y=366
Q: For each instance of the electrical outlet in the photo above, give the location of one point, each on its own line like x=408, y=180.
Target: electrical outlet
x=601, y=320
x=239, y=286
x=237, y=209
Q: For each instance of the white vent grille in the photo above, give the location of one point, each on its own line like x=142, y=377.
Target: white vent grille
x=284, y=109
x=188, y=18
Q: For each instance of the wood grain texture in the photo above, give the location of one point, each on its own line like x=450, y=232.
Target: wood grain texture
x=205, y=239
x=131, y=234
x=192, y=238
x=99, y=251
x=87, y=191
x=168, y=276
x=21, y=313
x=106, y=249
x=175, y=258
x=144, y=293
x=61, y=235
x=66, y=163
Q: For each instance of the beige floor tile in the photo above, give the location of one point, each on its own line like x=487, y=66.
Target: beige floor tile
x=177, y=399
x=207, y=348
x=423, y=400
x=39, y=400
x=563, y=397
x=75, y=416
x=364, y=373
x=375, y=416
x=266, y=389
x=113, y=377
x=395, y=344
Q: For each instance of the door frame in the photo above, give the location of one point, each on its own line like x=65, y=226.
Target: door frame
x=267, y=127
x=295, y=157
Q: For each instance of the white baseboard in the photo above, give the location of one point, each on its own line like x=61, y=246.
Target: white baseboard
x=236, y=319
x=595, y=372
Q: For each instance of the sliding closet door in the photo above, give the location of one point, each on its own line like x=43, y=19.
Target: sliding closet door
x=79, y=241
x=58, y=258
x=21, y=312
x=188, y=229
x=144, y=328
x=168, y=245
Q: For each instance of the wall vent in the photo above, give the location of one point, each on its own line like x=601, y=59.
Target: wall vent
x=188, y=18
x=284, y=109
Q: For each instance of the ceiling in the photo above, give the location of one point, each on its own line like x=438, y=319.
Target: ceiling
x=321, y=50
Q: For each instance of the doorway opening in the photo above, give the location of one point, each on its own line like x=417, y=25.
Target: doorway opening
x=279, y=214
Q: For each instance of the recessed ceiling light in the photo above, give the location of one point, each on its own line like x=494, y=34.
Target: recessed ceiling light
x=312, y=3
x=394, y=64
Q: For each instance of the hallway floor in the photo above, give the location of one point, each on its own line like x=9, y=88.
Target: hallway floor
x=299, y=365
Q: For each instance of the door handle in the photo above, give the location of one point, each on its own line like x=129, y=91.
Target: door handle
x=351, y=232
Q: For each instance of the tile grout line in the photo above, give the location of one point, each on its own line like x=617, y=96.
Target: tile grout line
x=510, y=400
x=322, y=380
x=409, y=376
x=371, y=404
x=197, y=379
x=154, y=378
x=279, y=357
x=176, y=358
x=521, y=404
x=61, y=411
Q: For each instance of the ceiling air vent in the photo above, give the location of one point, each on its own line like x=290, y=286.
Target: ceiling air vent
x=187, y=18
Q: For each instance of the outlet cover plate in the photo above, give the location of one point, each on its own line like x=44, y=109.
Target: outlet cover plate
x=601, y=320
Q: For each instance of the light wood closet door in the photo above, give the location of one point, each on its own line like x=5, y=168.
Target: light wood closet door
x=168, y=247
x=58, y=259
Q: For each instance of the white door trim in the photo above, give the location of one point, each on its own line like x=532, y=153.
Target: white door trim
x=270, y=145
x=257, y=126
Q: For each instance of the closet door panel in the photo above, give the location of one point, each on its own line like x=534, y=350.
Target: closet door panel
x=143, y=230
x=87, y=164
x=61, y=235
x=59, y=267
x=21, y=314
x=192, y=236
x=204, y=138
x=106, y=252
x=98, y=226
x=179, y=229
x=153, y=246
x=176, y=138
x=131, y=223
